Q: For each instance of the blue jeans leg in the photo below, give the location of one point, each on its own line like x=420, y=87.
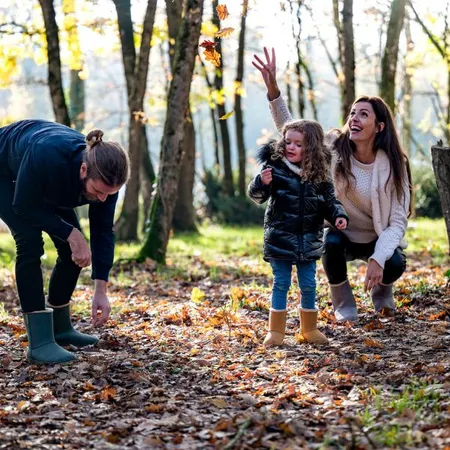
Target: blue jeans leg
x=306, y=274
x=281, y=283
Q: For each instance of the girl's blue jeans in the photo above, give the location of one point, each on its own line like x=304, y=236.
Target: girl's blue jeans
x=306, y=274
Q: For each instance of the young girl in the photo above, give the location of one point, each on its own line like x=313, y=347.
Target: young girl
x=295, y=178
x=372, y=179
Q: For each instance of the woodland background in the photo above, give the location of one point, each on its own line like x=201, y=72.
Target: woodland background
x=180, y=364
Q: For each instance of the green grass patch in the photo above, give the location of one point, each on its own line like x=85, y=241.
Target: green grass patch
x=214, y=242
x=428, y=236
x=391, y=416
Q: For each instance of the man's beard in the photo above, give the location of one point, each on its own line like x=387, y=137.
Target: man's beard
x=85, y=193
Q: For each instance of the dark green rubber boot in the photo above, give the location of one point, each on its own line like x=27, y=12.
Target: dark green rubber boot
x=42, y=348
x=65, y=333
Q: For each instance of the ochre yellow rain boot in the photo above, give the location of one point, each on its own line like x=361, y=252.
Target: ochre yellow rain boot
x=308, y=326
x=277, y=327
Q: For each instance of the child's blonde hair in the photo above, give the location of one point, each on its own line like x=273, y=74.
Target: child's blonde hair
x=316, y=160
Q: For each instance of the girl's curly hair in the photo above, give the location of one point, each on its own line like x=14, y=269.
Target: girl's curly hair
x=316, y=161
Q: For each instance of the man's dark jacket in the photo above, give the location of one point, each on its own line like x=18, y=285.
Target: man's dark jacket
x=43, y=159
x=295, y=213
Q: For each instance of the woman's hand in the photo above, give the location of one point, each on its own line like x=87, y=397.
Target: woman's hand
x=266, y=176
x=341, y=223
x=374, y=275
x=269, y=73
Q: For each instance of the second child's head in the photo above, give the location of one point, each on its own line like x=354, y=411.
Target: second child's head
x=303, y=144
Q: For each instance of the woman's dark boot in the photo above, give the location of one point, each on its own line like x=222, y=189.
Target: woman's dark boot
x=383, y=299
x=343, y=302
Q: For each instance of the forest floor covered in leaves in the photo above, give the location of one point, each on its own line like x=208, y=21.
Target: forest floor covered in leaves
x=181, y=365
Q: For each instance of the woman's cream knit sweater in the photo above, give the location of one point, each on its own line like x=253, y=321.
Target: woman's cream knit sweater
x=389, y=216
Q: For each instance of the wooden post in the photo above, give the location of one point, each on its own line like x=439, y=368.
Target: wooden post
x=441, y=166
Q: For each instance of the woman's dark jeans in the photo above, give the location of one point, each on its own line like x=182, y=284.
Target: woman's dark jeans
x=338, y=249
x=30, y=248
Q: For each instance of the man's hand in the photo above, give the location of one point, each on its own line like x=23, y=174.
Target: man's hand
x=341, y=223
x=81, y=255
x=266, y=176
x=100, y=304
x=374, y=275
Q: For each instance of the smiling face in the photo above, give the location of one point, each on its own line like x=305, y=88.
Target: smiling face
x=294, y=146
x=95, y=190
x=363, y=123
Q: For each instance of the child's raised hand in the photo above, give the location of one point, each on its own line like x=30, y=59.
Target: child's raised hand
x=266, y=176
x=268, y=71
x=341, y=223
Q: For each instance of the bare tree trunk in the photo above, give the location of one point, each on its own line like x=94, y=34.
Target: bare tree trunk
x=76, y=95
x=441, y=166
x=54, y=63
x=288, y=87
x=228, y=185
x=298, y=63
x=349, y=57
x=407, y=95
x=212, y=112
x=242, y=184
x=136, y=77
x=184, y=214
x=390, y=56
x=148, y=178
x=155, y=245
x=76, y=91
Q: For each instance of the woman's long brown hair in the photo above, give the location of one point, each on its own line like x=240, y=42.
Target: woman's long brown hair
x=387, y=140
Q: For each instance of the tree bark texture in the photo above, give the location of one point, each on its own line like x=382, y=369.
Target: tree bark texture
x=441, y=165
x=349, y=58
x=228, y=185
x=390, y=56
x=76, y=95
x=242, y=152
x=136, y=71
x=184, y=216
x=148, y=178
x=155, y=245
x=54, y=63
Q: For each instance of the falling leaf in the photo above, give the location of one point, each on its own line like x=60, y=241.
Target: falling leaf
x=224, y=32
x=222, y=12
x=227, y=115
x=208, y=44
x=213, y=56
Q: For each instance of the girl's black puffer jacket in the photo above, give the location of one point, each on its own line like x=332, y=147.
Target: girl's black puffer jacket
x=294, y=217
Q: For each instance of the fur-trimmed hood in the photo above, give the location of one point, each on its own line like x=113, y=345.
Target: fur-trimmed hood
x=264, y=153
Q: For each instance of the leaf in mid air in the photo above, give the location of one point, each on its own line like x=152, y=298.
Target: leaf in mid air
x=224, y=32
x=213, y=56
x=225, y=116
x=208, y=44
x=222, y=12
